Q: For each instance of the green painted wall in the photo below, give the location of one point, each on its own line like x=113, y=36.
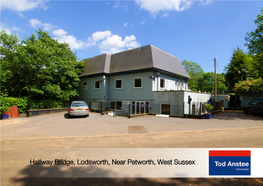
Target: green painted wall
x=127, y=92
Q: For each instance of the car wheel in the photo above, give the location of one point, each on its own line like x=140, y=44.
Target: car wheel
x=245, y=111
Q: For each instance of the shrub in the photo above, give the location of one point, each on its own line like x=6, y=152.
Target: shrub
x=4, y=109
x=209, y=107
x=21, y=103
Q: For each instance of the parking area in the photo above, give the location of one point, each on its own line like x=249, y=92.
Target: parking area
x=59, y=125
x=57, y=136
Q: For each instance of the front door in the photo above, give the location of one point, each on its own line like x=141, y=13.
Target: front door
x=140, y=107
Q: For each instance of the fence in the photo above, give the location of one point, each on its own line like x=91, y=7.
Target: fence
x=114, y=108
x=46, y=104
x=117, y=108
x=38, y=107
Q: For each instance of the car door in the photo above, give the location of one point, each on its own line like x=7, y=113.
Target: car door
x=260, y=107
x=253, y=105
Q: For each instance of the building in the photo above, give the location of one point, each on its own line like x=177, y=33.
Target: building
x=141, y=80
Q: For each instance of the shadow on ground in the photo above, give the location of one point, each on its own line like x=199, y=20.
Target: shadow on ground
x=236, y=116
x=67, y=116
x=40, y=175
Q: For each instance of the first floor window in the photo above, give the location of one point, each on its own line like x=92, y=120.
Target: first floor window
x=97, y=84
x=162, y=83
x=137, y=83
x=118, y=83
x=84, y=85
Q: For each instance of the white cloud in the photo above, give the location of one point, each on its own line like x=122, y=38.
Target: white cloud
x=9, y=29
x=22, y=5
x=125, y=24
x=36, y=24
x=59, y=32
x=48, y=26
x=143, y=22
x=206, y=2
x=104, y=40
x=114, y=43
x=119, y=5
x=73, y=42
x=167, y=5
x=165, y=15
x=100, y=35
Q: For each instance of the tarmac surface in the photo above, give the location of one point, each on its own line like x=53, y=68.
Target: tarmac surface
x=56, y=134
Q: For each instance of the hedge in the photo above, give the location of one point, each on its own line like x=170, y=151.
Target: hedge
x=21, y=103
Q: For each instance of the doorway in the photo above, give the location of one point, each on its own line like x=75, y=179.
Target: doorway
x=140, y=107
x=166, y=109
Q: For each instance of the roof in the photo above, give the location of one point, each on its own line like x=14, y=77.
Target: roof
x=142, y=58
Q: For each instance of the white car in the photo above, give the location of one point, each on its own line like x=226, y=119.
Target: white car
x=79, y=108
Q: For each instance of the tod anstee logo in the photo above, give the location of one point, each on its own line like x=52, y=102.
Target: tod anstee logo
x=229, y=162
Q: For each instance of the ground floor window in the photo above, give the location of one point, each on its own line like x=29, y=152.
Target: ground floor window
x=116, y=105
x=166, y=109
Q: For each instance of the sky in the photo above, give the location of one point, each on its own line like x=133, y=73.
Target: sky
x=192, y=30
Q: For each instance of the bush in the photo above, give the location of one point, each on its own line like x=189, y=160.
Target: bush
x=209, y=107
x=4, y=109
x=21, y=103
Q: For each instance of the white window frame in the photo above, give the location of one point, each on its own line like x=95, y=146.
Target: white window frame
x=83, y=85
x=134, y=82
x=183, y=85
x=163, y=83
x=95, y=84
x=116, y=84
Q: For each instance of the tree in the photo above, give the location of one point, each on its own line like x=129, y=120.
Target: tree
x=249, y=87
x=207, y=82
x=255, y=42
x=9, y=45
x=41, y=68
x=195, y=72
x=239, y=69
x=253, y=84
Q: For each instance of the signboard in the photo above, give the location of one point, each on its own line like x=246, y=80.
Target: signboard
x=126, y=102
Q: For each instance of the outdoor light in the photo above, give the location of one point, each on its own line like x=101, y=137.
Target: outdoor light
x=152, y=77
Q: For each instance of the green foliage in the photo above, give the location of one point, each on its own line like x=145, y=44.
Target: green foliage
x=249, y=75
x=249, y=87
x=209, y=107
x=203, y=81
x=239, y=69
x=21, y=103
x=195, y=72
x=255, y=42
x=4, y=109
x=39, y=67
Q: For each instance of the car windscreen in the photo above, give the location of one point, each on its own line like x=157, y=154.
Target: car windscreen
x=79, y=105
x=254, y=102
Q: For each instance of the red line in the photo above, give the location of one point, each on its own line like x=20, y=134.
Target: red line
x=229, y=153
